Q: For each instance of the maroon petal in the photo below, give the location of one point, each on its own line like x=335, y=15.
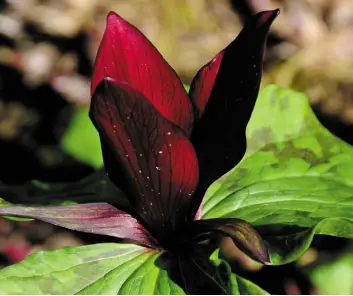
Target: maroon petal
x=224, y=92
x=125, y=54
x=244, y=235
x=146, y=154
x=97, y=218
x=202, y=85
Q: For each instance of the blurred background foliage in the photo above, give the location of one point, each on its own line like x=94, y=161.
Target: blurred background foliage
x=47, y=50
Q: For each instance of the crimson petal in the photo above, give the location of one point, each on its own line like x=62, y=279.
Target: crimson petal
x=224, y=93
x=97, y=218
x=147, y=153
x=244, y=235
x=202, y=84
x=125, y=54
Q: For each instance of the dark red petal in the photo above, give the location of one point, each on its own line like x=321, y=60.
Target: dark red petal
x=147, y=153
x=97, y=218
x=125, y=54
x=202, y=84
x=244, y=235
x=225, y=93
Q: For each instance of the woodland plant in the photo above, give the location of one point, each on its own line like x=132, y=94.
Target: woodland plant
x=285, y=177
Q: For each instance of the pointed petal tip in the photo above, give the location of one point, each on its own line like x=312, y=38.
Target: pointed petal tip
x=264, y=257
x=267, y=17
x=127, y=55
x=115, y=21
x=112, y=17
x=96, y=218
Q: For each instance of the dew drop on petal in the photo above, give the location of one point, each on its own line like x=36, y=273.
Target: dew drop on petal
x=158, y=168
x=160, y=152
x=140, y=171
x=169, y=133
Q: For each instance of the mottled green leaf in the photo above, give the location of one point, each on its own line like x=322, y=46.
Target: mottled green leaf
x=116, y=269
x=295, y=175
x=81, y=139
x=93, y=269
x=285, y=248
x=334, y=277
x=236, y=285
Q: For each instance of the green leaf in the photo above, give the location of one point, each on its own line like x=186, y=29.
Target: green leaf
x=93, y=269
x=114, y=269
x=295, y=175
x=335, y=277
x=81, y=139
x=286, y=248
x=202, y=273
x=236, y=284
